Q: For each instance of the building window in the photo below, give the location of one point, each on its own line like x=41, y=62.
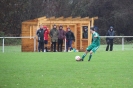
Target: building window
x=85, y=32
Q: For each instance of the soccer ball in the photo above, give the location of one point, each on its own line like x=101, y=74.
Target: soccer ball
x=77, y=58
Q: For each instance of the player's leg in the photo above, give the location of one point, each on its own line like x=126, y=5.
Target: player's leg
x=91, y=52
x=67, y=45
x=45, y=44
x=42, y=44
x=51, y=46
x=83, y=56
x=58, y=45
x=87, y=50
x=54, y=46
x=90, y=55
x=111, y=44
x=107, y=44
x=70, y=44
x=61, y=45
x=39, y=46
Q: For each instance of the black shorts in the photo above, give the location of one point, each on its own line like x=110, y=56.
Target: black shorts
x=45, y=41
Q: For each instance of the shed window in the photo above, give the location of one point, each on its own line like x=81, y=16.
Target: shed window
x=85, y=32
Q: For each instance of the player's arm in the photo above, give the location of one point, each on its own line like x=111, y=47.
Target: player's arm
x=96, y=35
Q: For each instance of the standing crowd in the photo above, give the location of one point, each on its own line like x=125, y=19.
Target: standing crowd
x=58, y=35
x=57, y=38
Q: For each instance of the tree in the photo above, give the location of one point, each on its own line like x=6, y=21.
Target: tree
x=110, y=13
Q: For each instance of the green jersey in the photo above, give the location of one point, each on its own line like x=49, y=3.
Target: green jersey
x=96, y=39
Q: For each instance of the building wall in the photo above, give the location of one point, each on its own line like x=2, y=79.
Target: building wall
x=27, y=43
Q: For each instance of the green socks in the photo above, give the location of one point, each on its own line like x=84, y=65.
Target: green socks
x=83, y=56
x=90, y=57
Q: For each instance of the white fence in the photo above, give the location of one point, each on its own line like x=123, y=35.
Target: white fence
x=3, y=40
x=122, y=37
x=29, y=37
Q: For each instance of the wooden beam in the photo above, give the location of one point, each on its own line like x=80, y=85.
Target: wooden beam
x=89, y=34
x=30, y=31
x=68, y=18
x=76, y=18
x=34, y=23
x=85, y=18
x=41, y=18
x=95, y=18
x=75, y=28
x=60, y=18
x=92, y=22
x=65, y=22
x=51, y=18
x=81, y=36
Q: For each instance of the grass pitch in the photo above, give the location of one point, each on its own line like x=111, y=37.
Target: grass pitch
x=60, y=70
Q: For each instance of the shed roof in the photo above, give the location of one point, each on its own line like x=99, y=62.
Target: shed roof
x=61, y=19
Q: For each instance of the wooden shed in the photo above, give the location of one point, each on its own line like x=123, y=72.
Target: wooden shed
x=76, y=24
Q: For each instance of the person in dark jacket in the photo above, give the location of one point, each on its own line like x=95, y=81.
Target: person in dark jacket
x=85, y=33
x=40, y=34
x=61, y=37
x=109, y=40
x=69, y=38
x=54, y=37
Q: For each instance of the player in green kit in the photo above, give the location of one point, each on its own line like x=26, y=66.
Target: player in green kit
x=94, y=45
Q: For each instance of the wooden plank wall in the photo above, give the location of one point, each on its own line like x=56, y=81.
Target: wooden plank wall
x=27, y=43
x=78, y=36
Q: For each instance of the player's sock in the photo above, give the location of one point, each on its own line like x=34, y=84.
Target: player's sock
x=90, y=57
x=83, y=56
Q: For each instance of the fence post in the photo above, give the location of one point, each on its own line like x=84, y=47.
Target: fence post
x=34, y=43
x=123, y=43
x=3, y=45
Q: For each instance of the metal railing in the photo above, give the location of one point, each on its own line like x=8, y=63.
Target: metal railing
x=33, y=37
x=29, y=37
x=119, y=37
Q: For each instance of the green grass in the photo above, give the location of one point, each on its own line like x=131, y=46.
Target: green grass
x=60, y=70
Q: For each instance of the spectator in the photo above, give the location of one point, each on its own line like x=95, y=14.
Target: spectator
x=109, y=40
x=69, y=38
x=61, y=37
x=46, y=33
x=40, y=34
x=54, y=37
x=85, y=33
